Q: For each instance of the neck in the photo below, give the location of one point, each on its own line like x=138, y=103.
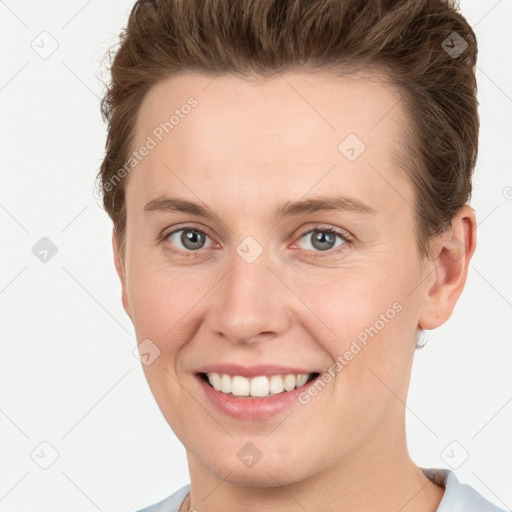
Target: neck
x=380, y=477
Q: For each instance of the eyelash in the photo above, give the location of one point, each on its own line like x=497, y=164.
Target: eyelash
x=319, y=254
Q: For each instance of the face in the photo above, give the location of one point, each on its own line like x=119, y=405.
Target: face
x=297, y=256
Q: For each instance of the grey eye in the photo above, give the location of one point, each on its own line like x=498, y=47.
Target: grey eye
x=190, y=239
x=323, y=239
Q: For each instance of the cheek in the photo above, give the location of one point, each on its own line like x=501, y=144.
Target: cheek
x=350, y=300
x=161, y=299
x=373, y=321
x=164, y=304
x=371, y=316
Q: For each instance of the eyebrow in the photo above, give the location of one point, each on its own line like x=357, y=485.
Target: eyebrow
x=288, y=209
x=322, y=204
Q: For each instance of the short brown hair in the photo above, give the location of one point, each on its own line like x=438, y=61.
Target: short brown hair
x=408, y=40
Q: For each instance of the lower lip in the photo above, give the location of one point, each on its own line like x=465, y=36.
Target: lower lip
x=252, y=408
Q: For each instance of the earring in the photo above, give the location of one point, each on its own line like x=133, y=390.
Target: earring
x=422, y=340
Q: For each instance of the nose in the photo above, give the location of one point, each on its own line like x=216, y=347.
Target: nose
x=251, y=303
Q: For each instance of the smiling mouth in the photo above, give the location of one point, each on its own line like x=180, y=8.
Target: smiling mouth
x=256, y=387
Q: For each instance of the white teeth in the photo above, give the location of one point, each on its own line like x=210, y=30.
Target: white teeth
x=215, y=381
x=289, y=382
x=276, y=384
x=260, y=386
x=240, y=386
x=225, y=383
x=302, y=379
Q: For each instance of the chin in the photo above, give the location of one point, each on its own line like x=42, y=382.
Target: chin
x=268, y=476
x=269, y=471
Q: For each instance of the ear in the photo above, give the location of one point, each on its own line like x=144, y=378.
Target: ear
x=120, y=268
x=449, y=269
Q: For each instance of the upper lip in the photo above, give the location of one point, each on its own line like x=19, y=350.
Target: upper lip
x=253, y=371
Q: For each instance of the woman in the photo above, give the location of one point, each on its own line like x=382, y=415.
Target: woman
x=289, y=186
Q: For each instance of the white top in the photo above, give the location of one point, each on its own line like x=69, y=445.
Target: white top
x=457, y=497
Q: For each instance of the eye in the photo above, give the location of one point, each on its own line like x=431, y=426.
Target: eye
x=190, y=238
x=323, y=239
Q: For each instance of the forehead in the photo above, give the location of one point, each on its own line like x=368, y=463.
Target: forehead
x=286, y=131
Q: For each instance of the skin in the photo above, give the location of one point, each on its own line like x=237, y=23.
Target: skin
x=246, y=148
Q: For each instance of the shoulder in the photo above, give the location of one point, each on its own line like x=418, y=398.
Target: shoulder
x=170, y=504
x=458, y=497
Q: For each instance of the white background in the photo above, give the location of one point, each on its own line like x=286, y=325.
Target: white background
x=68, y=373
